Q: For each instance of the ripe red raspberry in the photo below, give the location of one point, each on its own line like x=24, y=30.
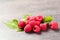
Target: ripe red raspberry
x=28, y=18
x=38, y=23
x=36, y=29
x=27, y=22
x=32, y=18
x=32, y=23
x=21, y=24
x=53, y=25
x=43, y=26
x=28, y=28
x=39, y=18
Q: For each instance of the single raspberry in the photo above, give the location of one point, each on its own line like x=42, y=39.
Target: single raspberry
x=39, y=18
x=36, y=29
x=32, y=23
x=53, y=25
x=21, y=24
x=43, y=26
x=28, y=28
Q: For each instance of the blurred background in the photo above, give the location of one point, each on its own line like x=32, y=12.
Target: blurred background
x=17, y=8
x=10, y=9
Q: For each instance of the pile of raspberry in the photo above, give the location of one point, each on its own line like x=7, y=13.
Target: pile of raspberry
x=37, y=24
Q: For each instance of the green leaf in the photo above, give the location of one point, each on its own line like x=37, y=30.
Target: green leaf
x=15, y=21
x=48, y=19
x=18, y=30
x=24, y=20
x=12, y=24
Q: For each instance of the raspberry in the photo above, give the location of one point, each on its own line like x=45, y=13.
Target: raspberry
x=39, y=18
x=53, y=25
x=32, y=23
x=28, y=28
x=27, y=22
x=32, y=18
x=36, y=29
x=21, y=24
x=37, y=22
x=28, y=18
x=43, y=26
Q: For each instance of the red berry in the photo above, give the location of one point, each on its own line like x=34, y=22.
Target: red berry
x=28, y=18
x=43, y=26
x=28, y=28
x=37, y=22
x=39, y=18
x=27, y=22
x=21, y=24
x=32, y=23
x=36, y=29
x=32, y=18
x=53, y=25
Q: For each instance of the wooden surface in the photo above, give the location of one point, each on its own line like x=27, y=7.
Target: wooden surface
x=10, y=9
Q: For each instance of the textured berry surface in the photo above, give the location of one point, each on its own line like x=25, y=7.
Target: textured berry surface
x=32, y=23
x=28, y=18
x=36, y=29
x=39, y=18
x=21, y=24
x=43, y=26
x=37, y=22
x=53, y=25
x=32, y=18
x=27, y=28
x=27, y=22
